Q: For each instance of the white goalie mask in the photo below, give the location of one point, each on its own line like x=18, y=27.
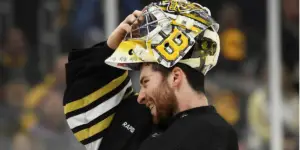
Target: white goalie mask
x=167, y=31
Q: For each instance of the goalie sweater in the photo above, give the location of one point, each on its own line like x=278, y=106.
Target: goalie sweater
x=102, y=112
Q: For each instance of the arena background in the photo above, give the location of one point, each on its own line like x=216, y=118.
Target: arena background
x=36, y=35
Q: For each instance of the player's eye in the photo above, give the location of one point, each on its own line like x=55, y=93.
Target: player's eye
x=145, y=83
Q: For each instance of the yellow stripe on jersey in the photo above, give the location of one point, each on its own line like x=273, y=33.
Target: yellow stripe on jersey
x=99, y=127
x=77, y=104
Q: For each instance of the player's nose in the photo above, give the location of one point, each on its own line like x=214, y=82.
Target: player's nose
x=141, y=97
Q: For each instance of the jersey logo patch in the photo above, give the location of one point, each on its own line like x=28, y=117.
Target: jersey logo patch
x=128, y=127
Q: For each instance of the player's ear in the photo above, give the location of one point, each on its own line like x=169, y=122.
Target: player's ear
x=176, y=77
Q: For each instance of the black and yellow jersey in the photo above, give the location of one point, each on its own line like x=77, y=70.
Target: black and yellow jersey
x=100, y=105
x=102, y=111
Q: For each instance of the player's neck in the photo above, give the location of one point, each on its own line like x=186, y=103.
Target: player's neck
x=190, y=99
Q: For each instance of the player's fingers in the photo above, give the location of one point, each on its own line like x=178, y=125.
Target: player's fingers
x=130, y=19
x=135, y=25
x=125, y=27
x=137, y=13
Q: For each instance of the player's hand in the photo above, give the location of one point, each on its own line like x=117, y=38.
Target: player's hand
x=124, y=27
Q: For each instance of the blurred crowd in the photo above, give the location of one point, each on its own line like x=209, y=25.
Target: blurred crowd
x=31, y=111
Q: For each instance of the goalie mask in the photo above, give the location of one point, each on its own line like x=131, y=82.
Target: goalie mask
x=167, y=31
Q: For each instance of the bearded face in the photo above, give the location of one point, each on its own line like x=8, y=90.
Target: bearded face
x=157, y=94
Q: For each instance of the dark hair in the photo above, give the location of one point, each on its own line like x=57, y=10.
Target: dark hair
x=194, y=77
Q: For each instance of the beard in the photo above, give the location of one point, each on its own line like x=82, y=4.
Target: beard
x=165, y=102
